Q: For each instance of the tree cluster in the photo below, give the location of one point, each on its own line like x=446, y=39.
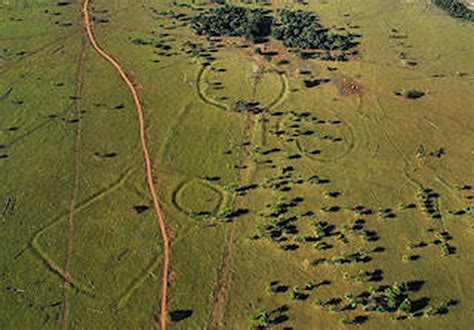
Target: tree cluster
x=295, y=28
x=456, y=8
x=251, y=24
x=303, y=30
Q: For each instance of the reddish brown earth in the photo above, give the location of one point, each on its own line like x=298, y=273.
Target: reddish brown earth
x=161, y=316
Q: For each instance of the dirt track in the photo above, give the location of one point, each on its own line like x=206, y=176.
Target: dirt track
x=148, y=165
x=218, y=308
x=75, y=184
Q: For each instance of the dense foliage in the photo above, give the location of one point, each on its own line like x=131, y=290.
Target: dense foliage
x=301, y=29
x=456, y=8
x=296, y=29
x=251, y=24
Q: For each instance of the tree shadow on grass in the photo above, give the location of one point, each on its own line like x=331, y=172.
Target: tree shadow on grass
x=180, y=315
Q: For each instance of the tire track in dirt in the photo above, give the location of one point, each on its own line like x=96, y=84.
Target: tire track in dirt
x=75, y=183
x=148, y=165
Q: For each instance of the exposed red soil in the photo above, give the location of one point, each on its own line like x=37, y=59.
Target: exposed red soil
x=161, y=316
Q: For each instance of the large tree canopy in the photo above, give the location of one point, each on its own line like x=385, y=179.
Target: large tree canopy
x=456, y=8
x=302, y=29
x=296, y=29
x=251, y=24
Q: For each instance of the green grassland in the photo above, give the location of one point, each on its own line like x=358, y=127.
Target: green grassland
x=322, y=193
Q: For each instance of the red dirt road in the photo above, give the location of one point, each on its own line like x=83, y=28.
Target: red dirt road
x=148, y=165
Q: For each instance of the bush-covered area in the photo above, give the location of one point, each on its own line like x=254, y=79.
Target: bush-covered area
x=296, y=29
x=301, y=29
x=251, y=24
x=456, y=8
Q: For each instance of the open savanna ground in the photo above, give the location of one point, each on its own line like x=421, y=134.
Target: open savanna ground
x=298, y=190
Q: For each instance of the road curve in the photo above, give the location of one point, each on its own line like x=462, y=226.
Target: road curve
x=148, y=165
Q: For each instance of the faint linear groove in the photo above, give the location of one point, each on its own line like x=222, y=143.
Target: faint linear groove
x=35, y=243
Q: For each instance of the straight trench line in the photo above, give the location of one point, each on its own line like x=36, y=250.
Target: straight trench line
x=75, y=185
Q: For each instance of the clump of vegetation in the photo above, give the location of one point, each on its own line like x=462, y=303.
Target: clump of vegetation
x=455, y=8
x=310, y=83
x=266, y=318
x=280, y=183
x=428, y=200
x=442, y=240
x=316, y=179
x=251, y=24
x=355, y=321
x=388, y=299
x=248, y=107
x=360, y=256
x=278, y=229
x=179, y=315
x=413, y=94
x=303, y=30
x=297, y=29
x=365, y=276
x=296, y=294
x=386, y=213
x=228, y=214
x=276, y=287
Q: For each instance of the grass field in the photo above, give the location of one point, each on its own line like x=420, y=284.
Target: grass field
x=333, y=188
